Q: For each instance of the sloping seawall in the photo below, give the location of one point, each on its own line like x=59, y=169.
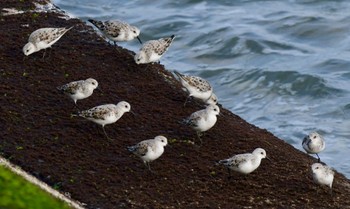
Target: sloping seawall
x=72, y=155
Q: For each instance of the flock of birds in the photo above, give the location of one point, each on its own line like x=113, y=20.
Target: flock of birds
x=198, y=88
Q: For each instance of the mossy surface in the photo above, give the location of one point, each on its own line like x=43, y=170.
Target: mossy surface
x=17, y=193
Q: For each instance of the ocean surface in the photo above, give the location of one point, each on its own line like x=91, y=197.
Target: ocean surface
x=281, y=65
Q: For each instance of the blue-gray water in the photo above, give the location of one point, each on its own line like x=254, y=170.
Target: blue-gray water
x=281, y=65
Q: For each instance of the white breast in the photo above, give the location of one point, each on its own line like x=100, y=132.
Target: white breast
x=153, y=154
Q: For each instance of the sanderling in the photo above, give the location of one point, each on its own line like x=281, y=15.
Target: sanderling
x=149, y=150
x=152, y=51
x=106, y=114
x=314, y=143
x=212, y=100
x=244, y=163
x=203, y=120
x=322, y=174
x=197, y=87
x=116, y=30
x=43, y=38
x=81, y=89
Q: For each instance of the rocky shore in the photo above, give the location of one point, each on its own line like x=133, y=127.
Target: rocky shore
x=73, y=156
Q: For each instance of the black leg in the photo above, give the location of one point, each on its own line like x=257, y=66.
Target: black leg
x=50, y=49
x=186, y=100
x=44, y=54
x=331, y=192
x=149, y=167
x=146, y=66
x=319, y=159
x=199, y=134
x=229, y=173
x=76, y=106
x=104, y=131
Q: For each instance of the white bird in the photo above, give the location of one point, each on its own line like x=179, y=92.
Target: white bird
x=314, y=144
x=212, y=100
x=322, y=174
x=149, y=150
x=153, y=50
x=106, y=114
x=81, y=89
x=116, y=30
x=244, y=163
x=203, y=120
x=198, y=88
x=43, y=38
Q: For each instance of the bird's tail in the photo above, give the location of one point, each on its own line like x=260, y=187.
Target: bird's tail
x=96, y=23
x=221, y=162
x=60, y=88
x=178, y=74
x=77, y=114
x=184, y=121
x=131, y=148
x=65, y=30
x=70, y=28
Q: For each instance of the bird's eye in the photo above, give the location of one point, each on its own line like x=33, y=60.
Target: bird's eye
x=215, y=109
x=93, y=83
x=27, y=50
x=314, y=137
x=134, y=31
x=126, y=106
x=261, y=153
x=162, y=140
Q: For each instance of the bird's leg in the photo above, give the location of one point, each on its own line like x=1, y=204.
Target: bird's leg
x=44, y=54
x=76, y=106
x=49, y=52
x=229, y=174
x=148, y=166
x=186, y=100
x=331, y=192
x=104, y=131
x=319, y=159
x=199, y=134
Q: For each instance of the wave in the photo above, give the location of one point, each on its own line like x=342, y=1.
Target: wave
x=283, y=83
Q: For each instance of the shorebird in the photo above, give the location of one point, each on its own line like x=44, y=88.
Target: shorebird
x=203, y=120
x=106, y=114
x=43, y=38
x=81, y=89
x=244, y=163
x=314, y=144
x=153, y=50
x=117, y=30
x=149, y=150
x=322, y=174
x=198, y=88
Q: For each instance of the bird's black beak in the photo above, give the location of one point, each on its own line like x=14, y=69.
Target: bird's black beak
x=139, y=39
x=99, y=89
